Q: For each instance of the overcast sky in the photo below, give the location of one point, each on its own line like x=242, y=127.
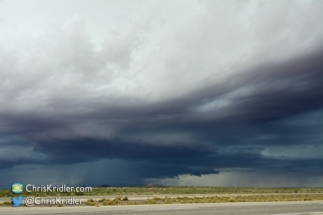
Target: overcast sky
x=206, y=93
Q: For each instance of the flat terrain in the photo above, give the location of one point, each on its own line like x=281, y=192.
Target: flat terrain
x=292, y=208
x=112, y=196
x=125, y=191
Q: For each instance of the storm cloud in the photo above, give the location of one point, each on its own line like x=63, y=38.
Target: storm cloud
x=161, y=92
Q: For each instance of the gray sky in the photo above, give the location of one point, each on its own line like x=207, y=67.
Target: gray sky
x=175, y=92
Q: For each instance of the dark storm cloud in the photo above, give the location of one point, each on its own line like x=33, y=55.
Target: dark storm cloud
x=285, y=90
x=78, y=150
x=170, y=97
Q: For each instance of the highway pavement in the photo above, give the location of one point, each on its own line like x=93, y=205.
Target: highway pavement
x=246, y=208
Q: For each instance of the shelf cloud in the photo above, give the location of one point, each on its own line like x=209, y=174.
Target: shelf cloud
x=166, y=91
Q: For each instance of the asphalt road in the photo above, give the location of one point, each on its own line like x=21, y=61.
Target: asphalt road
x=248, y=208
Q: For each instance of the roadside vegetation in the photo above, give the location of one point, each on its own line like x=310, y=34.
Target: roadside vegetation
x=186, y=200
x=128, y=191
x=122, y=195
x=212, y=199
